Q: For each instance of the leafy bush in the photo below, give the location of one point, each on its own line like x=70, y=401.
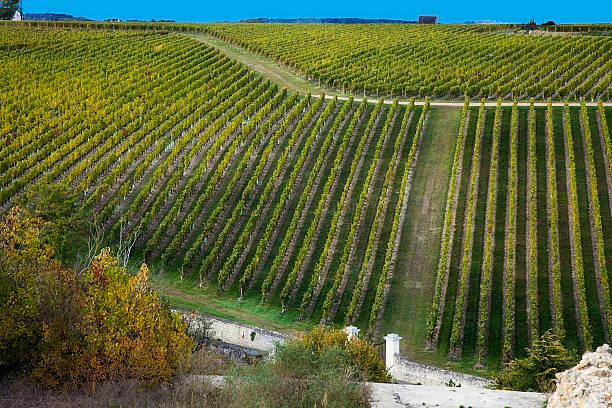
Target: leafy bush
x=66, y=224
x=20, y=256
x=297, y=377
x=536, y=372
x=361, y=353
x=67, y=327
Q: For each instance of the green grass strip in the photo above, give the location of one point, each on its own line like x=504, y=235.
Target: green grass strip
x=444, y=252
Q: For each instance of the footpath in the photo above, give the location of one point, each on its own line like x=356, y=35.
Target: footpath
x=423, y=396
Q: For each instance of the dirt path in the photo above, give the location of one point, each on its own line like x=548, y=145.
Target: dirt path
x=412, y=284
x=286, y=78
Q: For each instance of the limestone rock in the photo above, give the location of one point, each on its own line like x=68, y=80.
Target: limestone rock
x=587, y=385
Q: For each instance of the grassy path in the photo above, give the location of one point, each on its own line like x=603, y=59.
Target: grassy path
x=413, y=282
x=455, y=251
x=186, y=294
x=265, y=66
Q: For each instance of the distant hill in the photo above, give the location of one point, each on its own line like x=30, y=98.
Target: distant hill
x=351, y=20
x=328, y=20
x=53, y=17
x=479, y=22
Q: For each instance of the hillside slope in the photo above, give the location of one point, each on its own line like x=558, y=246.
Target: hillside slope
x=468, y=229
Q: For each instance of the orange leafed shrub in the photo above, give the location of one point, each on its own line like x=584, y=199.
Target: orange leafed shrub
x=83, y=327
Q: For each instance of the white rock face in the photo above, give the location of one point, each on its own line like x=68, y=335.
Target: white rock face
x=588, y=385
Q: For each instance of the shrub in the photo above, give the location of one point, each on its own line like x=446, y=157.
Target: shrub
x=68, y=327
x=20, y=255
x=536, y=372
x=297, y=377
x=361, y=353
x=65, y=224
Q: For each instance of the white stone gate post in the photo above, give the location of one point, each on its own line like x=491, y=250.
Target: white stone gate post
x=351, y=331
x=391, y=349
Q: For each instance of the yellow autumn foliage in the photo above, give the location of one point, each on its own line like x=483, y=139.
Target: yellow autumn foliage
x=82, y=327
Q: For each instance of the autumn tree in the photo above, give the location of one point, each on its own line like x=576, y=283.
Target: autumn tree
x=68, y=328
x=24, y=261
x=8, y=9
x=66, y=224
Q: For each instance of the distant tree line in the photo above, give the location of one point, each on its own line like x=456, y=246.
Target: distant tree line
x=8, y=9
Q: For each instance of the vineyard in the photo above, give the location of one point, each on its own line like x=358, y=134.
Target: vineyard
x=468, y=229
x=439, y=61
x=527, y=233
x=212, y=168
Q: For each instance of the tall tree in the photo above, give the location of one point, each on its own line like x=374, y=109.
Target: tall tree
x=66, y=223
x=8, y=9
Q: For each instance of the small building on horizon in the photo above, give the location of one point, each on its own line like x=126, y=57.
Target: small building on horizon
x=428, y=19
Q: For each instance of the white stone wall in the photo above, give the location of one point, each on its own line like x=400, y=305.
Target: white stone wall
x=264, y=340
x=415, y=373
x=237, y=333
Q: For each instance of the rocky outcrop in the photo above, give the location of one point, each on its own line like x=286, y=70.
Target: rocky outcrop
x=588, y=385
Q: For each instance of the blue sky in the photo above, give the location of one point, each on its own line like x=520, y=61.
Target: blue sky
x=562, y=11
